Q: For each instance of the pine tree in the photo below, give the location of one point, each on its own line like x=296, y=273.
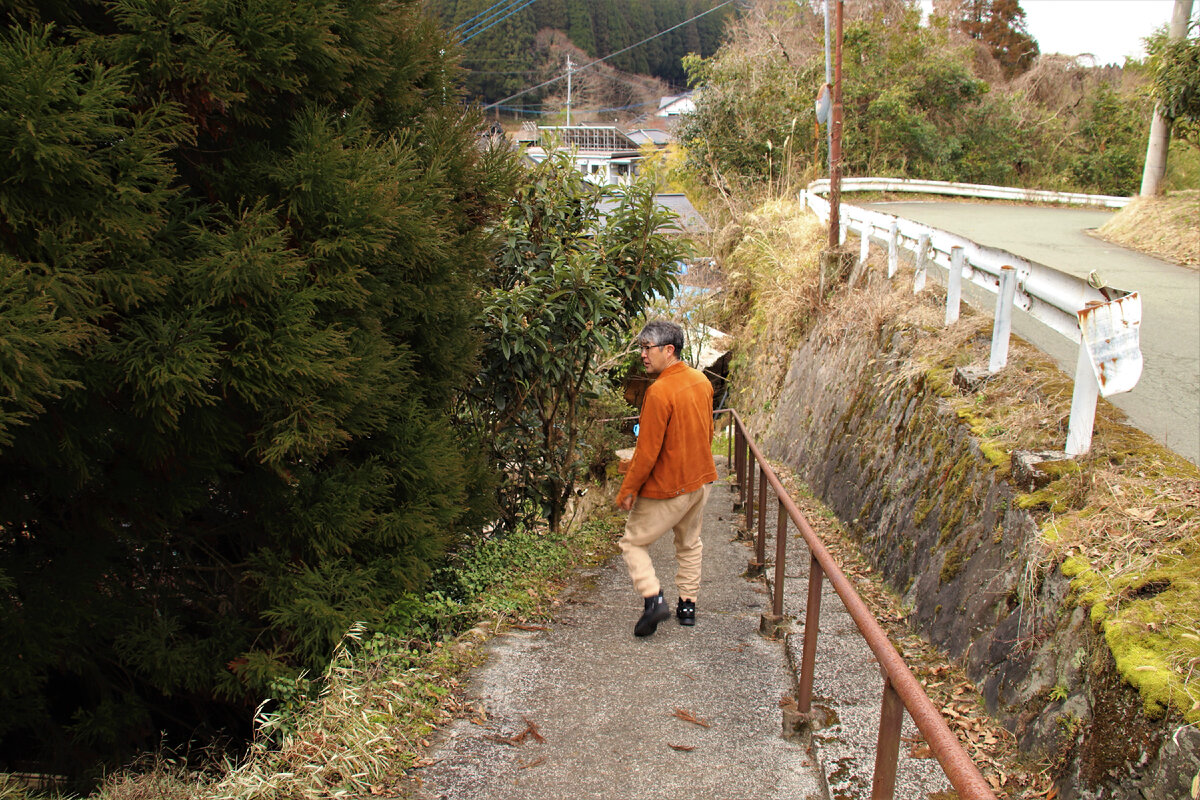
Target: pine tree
x=239, y=246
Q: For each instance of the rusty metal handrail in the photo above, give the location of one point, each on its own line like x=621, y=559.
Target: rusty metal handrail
x=901, y=689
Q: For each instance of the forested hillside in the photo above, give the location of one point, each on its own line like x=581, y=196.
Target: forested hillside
x=958, y=98
x=503, y=54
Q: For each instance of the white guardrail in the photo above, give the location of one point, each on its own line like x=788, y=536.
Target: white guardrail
x=1104, y=320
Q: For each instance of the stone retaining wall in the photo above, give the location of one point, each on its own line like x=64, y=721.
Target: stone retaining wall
x=876, y=442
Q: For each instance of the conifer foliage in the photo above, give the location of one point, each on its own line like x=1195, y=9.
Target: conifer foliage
x=239, y=249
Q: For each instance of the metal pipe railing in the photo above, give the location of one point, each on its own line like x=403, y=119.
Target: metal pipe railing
x=901, y=689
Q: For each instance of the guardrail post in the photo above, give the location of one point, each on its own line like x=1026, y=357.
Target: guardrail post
x=780, y=560
x=887, y=751
x=1083, y=405
x=842, y=228
x=812, y=618
x=954, y=285
x=893, y=249
x=922, y=263
x=1002, y=327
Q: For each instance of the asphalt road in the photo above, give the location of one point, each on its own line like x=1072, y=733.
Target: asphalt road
x=1166, y=401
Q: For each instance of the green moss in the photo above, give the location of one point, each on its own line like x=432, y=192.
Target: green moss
x=999, y=456
x=1146, y=618
x=1073, y=565
x=951, y=564
x=924, y=506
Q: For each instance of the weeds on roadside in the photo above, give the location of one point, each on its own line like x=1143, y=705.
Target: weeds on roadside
x=355, y=730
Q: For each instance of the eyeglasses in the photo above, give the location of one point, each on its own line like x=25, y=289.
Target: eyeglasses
x=646, y=347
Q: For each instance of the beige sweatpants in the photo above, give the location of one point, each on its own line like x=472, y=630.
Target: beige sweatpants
x=648, y=520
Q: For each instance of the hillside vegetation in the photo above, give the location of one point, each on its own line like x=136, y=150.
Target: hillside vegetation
x=504, y=53
x=920, y=101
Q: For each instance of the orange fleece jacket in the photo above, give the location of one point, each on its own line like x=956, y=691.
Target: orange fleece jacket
x=674, y=447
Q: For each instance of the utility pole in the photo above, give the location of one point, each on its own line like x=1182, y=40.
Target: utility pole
x=569, y=65
x=1160, y=126
x=835, y=147
x=828, y=83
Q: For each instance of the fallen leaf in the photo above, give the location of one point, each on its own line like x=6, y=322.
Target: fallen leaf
x=686, y=748
x=1142, y=514
x=530, y=730
x=920, y=751
x=688, y=716
x=533, y=763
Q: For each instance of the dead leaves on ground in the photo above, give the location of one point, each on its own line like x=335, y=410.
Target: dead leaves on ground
x=688, y=716
x=531, y=731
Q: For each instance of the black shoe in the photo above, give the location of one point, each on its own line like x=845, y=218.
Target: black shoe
x=656, y=611
x=686, y=611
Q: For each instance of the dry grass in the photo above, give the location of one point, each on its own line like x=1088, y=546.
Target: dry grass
x=1164, y=227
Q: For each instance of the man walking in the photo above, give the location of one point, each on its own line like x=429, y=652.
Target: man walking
x=668, y=480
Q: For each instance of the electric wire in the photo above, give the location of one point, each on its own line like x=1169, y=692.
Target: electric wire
x=490, y=17
x=610, y=55
x=477, y=30
x=469, y=23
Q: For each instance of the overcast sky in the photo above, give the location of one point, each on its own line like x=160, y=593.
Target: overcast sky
x=1108, y=29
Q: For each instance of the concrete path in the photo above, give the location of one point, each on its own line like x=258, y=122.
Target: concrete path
x=1166, y=401
x=604, y=702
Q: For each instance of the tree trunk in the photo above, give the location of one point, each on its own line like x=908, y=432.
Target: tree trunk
x=1160, y=126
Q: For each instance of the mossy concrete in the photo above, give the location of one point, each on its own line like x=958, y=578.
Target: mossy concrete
x=877, y=441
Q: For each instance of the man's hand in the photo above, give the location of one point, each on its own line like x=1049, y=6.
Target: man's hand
x=625, y=503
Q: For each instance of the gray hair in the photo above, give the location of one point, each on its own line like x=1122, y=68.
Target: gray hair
x=663, y=332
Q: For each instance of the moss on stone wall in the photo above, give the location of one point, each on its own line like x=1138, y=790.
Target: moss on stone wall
x=918, y=468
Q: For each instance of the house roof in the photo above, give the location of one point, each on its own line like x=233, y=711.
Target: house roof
x=588, y=137
x=650, y=136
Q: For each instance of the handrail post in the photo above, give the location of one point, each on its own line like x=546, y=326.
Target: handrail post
x=761, y=539
x=751, y=466
x=728, y=439
x=887, y=751
x=812, y=617
x=780, y=559
x=739, y=461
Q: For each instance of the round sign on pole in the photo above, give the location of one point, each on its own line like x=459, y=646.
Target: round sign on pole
x=823, y=104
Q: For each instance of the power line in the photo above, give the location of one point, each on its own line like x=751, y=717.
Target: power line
x=610, y=55
x=484, y=13
x=477, y=30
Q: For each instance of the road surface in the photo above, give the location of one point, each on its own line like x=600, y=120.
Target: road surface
x=1166, y=401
